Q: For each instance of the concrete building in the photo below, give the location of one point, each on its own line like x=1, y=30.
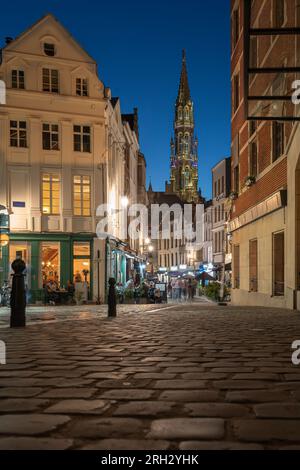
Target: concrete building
x=61, y=156
x=264, y=224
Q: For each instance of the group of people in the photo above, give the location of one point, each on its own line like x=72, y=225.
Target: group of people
x=53, y=292
x=182, y=289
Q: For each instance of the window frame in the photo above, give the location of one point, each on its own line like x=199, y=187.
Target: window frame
x=16, y=132
x=82, y=134
x=51, y=133
x=81, y=186
x=51, y=181
x=18, y=82
x=48, y=83
x=81, y=88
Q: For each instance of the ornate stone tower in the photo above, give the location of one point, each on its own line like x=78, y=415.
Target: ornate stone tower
x=184, y=145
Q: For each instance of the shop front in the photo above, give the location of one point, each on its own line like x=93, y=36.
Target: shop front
x=50, y=258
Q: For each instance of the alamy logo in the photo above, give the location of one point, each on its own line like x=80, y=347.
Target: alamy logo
x=296, y=353
x=296, y=94
x=2, y=92
x=2, y=353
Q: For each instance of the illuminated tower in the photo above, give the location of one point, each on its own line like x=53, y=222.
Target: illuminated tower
x=184, y=151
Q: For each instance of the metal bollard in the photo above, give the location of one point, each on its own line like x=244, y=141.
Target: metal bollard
x=112, y=300
x=18, y=295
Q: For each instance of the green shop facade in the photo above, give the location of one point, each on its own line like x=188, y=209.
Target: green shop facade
x=57, y=257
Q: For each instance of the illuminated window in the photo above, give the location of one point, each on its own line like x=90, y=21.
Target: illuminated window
x=18, y=79
x=82, y=195
x=50, y=137
x=81, y=87
x=50, y=194
x=18, y=134
x=50, y=80
x=82, y=138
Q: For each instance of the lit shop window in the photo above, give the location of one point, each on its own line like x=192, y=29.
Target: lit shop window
x=50, y=193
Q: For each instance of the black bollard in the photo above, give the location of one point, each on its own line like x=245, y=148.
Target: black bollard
x=111, y=300
x=18, y=295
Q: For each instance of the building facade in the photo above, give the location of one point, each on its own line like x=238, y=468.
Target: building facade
x=61, y=156
x=265, y=155
x=220, y=189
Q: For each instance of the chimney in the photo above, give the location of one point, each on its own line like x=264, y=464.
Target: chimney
x=8, y=40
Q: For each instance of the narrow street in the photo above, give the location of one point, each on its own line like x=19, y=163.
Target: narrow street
x=198, y=377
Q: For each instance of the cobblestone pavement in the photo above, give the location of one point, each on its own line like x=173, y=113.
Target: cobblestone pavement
x=186, y=377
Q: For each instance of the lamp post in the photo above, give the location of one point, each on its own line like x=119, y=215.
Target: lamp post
x=148, y=248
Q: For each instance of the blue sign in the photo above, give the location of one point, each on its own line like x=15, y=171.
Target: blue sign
x=18, y=204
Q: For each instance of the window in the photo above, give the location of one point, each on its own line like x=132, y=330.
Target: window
x=82, y=138
x=223, y=184
x=50, y=80
x=236, y=92
x=18, y=79
x=252, y=127
x=49, y=49
x=253, y=159
x=235, y=27
x=18, y=134
x=253, y=52
x=81, y=87
x=50, y=194
x=50, y=262
x=82, y=195
x=253, y=271
x=278, y=139
x=278, y=263
x=216, y=192
x=50, y=137
x=236, y=266
x=81, y=261
x=219, y=187
x=236, y=180
x=278, y=13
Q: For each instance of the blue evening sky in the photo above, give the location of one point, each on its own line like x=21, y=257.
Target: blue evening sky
x=137, y=45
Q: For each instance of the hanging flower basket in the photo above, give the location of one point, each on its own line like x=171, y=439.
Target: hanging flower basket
x=249, y=181
x=233, y=195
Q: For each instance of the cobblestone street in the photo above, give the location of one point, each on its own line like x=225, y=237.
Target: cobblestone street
x=194, y=376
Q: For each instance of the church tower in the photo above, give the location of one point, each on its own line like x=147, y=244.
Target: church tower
x=184, y=151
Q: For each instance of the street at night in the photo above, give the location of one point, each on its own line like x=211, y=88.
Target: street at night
x=198, y=377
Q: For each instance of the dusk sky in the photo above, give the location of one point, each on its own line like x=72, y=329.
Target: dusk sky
x=138, y=47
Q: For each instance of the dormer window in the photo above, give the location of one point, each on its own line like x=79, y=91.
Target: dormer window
x=49, y=49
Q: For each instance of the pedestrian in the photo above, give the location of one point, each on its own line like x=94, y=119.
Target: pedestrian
x=190, y=289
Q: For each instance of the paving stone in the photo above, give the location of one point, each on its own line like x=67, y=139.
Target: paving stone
x=218, y=445
x=33, y=443
x=107, y=375
x=19, y=392
x=257, y=396
x=258, y=430
x=217, y=410
x=278, y=410
x=106, y=427
x=145, y=408
x=241, y=384
x=154, y=376
x=79, y=392
x=79, y=407
x=15, y=405
x=30, y=424
x=256, y=376
x=187, y=428
x=180, y=384
x=131, y=394
x=127, y=444
x=204, y=376
x=189, y=395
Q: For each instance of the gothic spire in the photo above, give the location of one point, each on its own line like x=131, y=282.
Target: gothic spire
x=184, y=89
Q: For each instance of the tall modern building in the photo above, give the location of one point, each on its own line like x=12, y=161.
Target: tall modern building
x=184, y=145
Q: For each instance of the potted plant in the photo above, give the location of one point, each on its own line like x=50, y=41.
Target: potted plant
x=249, y=181
x=78, y=297
x=129, y=296
x=233, y=195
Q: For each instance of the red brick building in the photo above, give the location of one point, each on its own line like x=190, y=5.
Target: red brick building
x=265, y=151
